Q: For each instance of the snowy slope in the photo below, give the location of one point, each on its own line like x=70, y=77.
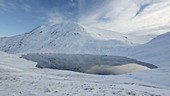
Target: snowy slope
x=17, y=78
x=13, y=61
x=67, y=37
x=157, y=51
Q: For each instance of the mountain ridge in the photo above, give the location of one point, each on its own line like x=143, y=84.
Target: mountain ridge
x=59, y=37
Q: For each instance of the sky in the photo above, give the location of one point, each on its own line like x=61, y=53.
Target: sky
x=21, y=16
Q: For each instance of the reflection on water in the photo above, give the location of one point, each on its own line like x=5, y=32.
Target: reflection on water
x=92, y=64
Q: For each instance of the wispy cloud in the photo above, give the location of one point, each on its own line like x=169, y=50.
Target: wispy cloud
x=55, y=17
x=59, y=10
x=65, y=12
x=95, y=15
x=91, y=12
x=7, y=6
x=3, y=7
x=107, y=13
x=26, y=8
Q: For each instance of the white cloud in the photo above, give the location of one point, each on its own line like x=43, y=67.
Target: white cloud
x=72, y=3
x=7, y=6
x=108, y=14
x=55, y=17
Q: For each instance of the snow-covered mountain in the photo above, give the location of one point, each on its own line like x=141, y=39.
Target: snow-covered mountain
x=157, y=51
x=74, y=38
x=67, y=37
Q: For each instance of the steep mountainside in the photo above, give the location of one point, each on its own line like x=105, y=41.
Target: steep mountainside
x=64, y=37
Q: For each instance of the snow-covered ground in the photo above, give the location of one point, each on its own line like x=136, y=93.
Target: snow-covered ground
x=19, y=77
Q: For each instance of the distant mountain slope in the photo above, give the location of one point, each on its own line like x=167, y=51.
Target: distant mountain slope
x=157, y=51
x=67, y=37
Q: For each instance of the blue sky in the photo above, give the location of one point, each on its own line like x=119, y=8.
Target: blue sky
x=21, y=16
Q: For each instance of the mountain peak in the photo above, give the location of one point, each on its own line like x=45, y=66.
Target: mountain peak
x=65, y=37
x=61, y=26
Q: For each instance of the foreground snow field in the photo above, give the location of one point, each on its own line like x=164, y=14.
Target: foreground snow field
x=19, y=77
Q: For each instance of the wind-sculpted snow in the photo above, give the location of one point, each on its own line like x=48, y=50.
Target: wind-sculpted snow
x=94, y=64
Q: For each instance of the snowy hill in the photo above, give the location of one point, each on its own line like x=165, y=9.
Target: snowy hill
x=73, y=38
x=64, y=37
x=156, y=51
